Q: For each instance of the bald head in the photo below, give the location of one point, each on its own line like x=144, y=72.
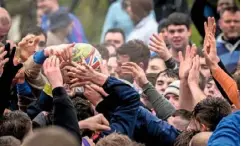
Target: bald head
x=200, y=139
x=5, y=23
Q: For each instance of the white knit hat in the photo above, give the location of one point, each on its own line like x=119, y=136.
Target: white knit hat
x=173, y=88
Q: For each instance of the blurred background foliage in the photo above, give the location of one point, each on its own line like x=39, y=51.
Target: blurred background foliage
x=92, y=15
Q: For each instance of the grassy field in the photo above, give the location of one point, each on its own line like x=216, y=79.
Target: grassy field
x=92, y=14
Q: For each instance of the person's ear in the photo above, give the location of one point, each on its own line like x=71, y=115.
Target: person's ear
x=189, y=32
x=220, y=23
x=204, y=128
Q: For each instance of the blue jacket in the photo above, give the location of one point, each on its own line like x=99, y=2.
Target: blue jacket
x=116, y=17
x=229, y=58
x=122, y=108
x=227, y=133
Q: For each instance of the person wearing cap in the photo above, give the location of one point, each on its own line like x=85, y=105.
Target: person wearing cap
x=60, y=27
x=172, y=93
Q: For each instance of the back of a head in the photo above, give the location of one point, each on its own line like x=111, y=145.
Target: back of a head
x=51, y=136
x=137, y=51
x=200, y=139
x=36, y=30
x=9, y=141
x=116, y=139
x=210, y=111
x=141, y=8
x=102, y=48
x=178, y=18
x=16, y=124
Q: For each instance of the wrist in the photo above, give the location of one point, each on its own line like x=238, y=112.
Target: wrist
x=99, y=78
x=213, y=66
x=167, y=57
x=82, y=124
x=56, y=85
x=144, y=82
x=193, y=83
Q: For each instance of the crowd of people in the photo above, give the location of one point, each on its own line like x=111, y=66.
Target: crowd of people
x=146, y=83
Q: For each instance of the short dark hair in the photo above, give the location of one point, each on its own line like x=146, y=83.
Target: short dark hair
x=83, y=108
x=116, y=30
x=141, y=8
x=137, y=51
x=15, y=123
x=178, y=18
x=36, y=30
x=169, y=73
x=9, y=141
x=102, y=48
x=185, y=114
x=210, y=111
x=185, y=137
x=163, y=24
x=232, y=9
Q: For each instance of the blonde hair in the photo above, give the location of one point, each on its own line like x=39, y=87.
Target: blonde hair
x=116, y=139
x=50, y=136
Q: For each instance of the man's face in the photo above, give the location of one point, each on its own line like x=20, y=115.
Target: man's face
x=211, y=90
x=194, y=125
x=45, y=5
x=230, y=24
x=155, y=65
x=174, y=100
x=120, y=60
x=205, y=71
x=165, y=35
x=162, y=83
x=178, y=122
x=112, y=65
x=222, y=4
x=178, y=36
x=114, y=38
x=4, y=28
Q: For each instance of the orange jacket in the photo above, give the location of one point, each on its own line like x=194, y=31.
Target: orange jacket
x=228, y=85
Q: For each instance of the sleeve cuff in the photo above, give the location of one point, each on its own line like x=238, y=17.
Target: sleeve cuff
x=147, y=86
x=59, y=91
x=39, y=57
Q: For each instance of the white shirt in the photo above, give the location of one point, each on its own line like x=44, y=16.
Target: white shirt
x=144, y=29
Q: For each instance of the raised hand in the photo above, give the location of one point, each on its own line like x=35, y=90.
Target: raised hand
x=194, y=73
x=10, y=70
x=137, y=73
x=63, y=51
x=186, y=62
x=81, y=74
x=95, y=123
x=209, y=46
x=52, y=71
x=94, y=93
x=3, y=60
x=27, y=46
x=158, y=45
